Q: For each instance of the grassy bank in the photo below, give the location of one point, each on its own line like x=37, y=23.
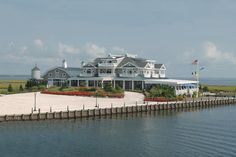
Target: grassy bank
x=14, y=83
x=220, y=88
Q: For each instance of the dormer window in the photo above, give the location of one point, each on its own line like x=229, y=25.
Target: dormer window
x=89, y=71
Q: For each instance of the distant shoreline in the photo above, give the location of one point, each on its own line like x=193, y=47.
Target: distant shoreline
x=208, y=81
x=14, y=77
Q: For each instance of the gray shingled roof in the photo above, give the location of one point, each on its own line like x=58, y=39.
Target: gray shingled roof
x=90, y=64
x=139, y=62
x=72, y=72
x=158, y=66
x=35, y=68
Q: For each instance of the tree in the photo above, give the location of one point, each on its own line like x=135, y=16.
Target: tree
x=162, y=90
x=108, y=87
x=205, y=89
x=21, y=88
x=10, y=89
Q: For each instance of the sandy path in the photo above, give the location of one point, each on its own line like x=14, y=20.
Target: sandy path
x=23, y=103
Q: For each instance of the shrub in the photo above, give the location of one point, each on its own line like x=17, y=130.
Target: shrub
x=35, y=88
x=10, y=89
x=205, y=89
x=21, y=89
x=108, y=87
x=194, y=94
x=162, y=91
x=41, y=87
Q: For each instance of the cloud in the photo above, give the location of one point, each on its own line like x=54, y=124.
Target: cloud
x=67, y=49
x=117, y=49
x=11, y=44
x=94, y=50
x=23, y=50
x=214, y=54
x=38, y=43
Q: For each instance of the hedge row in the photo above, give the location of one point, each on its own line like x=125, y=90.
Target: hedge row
x=160, y=99
x=85, y=93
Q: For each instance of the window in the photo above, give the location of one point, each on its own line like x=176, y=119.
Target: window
x=50, y=74
x=102, y=71
x=109, y=71
x=57, y=71
x=89, y=71
x=130, y=71
x=64, y=75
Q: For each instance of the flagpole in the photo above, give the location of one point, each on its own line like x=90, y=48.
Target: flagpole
x=198, y=73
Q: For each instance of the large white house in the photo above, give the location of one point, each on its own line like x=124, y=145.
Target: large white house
x=127, y=71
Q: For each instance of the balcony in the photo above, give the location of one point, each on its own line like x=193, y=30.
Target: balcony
x=107, y=64
x=106, y=74
x=87, y=75
x=128, y=75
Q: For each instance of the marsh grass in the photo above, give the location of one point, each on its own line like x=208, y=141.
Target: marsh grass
x=14, y=83
x=218, y=88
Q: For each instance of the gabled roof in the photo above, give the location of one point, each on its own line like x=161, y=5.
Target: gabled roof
x=71, y=71
x=90, y=64
x=139, y=62
x=158, y=66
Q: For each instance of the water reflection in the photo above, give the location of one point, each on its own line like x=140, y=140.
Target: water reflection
x=180, y=132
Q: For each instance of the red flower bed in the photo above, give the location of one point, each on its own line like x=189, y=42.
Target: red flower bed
x=84, y=93
x=159, y=99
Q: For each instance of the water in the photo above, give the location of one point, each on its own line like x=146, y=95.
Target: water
x=218, y=81
x=14, y=77
x=214, y=81
x=201, y=132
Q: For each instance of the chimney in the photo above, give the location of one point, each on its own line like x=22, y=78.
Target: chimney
x=82, y=63
x=64, y=64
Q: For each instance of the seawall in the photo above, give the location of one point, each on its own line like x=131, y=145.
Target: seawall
x=151, y=106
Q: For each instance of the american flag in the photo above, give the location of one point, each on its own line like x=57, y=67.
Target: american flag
x=195, y=62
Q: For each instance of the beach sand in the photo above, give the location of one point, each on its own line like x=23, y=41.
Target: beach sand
x=23, y=103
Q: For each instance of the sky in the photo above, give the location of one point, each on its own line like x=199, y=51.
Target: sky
x=173, y=32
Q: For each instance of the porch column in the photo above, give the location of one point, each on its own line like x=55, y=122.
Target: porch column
x=114, y=84
x=132, y=85
x=102, y=83
x=94, y=83
x=69, y=83
x=78, y=83
x=142, y=85
x=86, y=83
x=123, y=84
